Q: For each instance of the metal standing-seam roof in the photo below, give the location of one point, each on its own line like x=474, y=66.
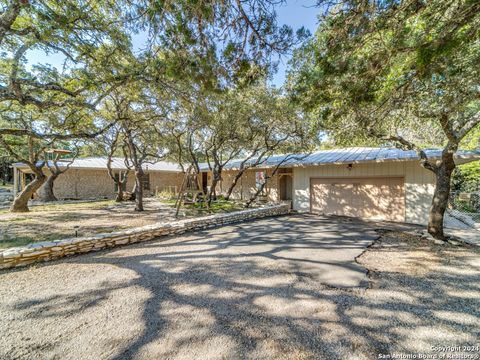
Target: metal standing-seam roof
x=117, y=164
x=349, y=156
x=333, y=156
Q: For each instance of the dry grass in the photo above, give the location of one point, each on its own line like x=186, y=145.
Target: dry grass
x=57, y=221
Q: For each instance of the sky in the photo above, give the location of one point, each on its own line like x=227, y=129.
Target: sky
x=295, y=13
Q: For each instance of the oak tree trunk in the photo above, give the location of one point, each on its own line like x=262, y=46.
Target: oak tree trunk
x=119, y=197
x=212, y=194
x=443, y=175
x=233, y=184
x=138, y=190
x=120, y=182
x=20, y=203
x=243, y=168
x=45, y=193
x=255, y=195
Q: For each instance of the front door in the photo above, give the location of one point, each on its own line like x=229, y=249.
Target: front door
x=285, y=187
x=205, y=182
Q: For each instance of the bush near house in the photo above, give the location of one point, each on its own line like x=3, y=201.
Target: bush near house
x=467, y=178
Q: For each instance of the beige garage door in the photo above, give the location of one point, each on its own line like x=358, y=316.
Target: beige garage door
x=378, y=198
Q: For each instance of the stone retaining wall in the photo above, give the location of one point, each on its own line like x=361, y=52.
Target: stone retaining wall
x=51, y=250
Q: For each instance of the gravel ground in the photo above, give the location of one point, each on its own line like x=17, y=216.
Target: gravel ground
x=193, y=298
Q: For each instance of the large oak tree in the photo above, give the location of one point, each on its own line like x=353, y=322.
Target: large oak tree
x=401, y=72
x=184, y=39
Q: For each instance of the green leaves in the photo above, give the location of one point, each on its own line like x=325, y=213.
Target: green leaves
x=392, y=68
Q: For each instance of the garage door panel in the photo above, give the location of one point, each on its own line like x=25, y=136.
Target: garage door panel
x=370, y=198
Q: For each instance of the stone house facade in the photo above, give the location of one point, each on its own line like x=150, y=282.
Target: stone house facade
x=88, y=178
x=278, y=186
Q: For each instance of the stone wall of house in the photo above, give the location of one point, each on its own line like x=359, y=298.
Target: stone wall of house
x=95, y=184
x=166, y=181
x=46, y=251
x=84, y=184
x=246, y=187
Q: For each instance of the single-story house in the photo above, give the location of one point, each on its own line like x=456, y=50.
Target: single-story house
x=371, y=183
x=87, y=178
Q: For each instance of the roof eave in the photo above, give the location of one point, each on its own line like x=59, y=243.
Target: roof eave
x=469, y=157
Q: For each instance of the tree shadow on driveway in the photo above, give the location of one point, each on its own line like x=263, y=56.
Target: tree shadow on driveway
x=251, y=290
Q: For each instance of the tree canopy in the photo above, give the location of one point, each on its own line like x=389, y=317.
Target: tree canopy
x=393, y=69
x=376, y=72
x=211, y=47
x=398, y=72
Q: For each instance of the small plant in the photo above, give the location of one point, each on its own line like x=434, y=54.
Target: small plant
x=475, y=201
x=166, y=195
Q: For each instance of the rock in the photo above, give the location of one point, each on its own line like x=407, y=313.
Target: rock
x=7, y=265
x=11, y=254
x=455, y=242
x=121, y=242
x=128, y=196
x=36, y=254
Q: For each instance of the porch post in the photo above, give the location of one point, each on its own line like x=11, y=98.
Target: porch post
x=23, y=180
x=15, y=181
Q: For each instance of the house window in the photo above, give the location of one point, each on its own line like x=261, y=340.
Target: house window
x=259, y=179
x=146, y=181
x=124, y=185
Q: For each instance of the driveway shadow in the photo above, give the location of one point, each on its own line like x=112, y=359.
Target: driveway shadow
x=255, y=290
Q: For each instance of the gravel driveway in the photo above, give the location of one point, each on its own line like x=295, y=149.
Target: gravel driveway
x=260, y=290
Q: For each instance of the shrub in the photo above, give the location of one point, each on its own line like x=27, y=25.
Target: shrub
x=475, y=201
x=466, y=177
